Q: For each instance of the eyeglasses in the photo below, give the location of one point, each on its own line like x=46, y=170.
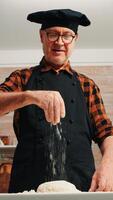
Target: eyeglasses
x=67, y=38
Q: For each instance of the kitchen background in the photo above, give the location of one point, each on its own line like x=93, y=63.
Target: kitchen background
x=20, y=47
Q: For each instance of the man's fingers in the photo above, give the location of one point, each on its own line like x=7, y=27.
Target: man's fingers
x=94, y=185
x=53, y=105
x=51, y=111
x=101, y=185
x=62, y=109
x=56, y=110
x=47, y=116
x=98, y=184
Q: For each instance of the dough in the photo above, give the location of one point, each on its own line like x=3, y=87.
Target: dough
x=57, y=186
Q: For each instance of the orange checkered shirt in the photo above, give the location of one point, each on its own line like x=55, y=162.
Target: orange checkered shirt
x=101, y=124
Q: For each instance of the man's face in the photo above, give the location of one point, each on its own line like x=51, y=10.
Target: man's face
x=58, y=43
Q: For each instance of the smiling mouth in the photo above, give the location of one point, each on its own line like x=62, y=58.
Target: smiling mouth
x=58, y=50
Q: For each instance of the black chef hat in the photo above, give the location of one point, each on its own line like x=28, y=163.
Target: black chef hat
x=60, y=17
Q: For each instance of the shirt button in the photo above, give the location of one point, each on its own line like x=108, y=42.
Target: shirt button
x=72, y=100
x=40, y=80
x=71, y=121
x=74, y=83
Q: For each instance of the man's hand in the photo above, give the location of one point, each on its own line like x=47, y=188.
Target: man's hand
x=102, y=179
x=51, y=102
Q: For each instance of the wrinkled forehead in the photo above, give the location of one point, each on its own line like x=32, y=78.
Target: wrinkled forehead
x=60, y=30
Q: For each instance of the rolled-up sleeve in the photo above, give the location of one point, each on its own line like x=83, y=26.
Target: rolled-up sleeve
x=102, y=125
x=16, y=81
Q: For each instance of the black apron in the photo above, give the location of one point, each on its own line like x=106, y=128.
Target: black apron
x=32, y=164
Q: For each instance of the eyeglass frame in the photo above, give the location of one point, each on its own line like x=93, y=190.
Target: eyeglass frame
x=59, y=35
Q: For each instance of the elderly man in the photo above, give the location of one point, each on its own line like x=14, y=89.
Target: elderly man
x=58, y=112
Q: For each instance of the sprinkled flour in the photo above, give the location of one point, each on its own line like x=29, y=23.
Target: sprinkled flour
x=56, y=153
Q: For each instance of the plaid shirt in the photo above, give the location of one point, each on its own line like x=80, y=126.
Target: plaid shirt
x=101, y=124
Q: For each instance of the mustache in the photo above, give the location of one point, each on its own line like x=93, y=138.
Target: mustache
x=58, y=47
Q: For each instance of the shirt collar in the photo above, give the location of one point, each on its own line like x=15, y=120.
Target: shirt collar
x=47, y=67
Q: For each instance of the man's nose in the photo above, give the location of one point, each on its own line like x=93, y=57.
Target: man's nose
x=59, y=40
